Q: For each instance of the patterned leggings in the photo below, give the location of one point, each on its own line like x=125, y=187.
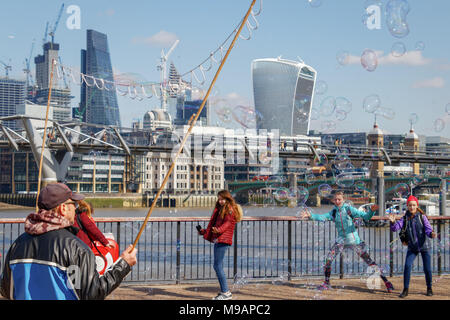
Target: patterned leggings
x=360, y=251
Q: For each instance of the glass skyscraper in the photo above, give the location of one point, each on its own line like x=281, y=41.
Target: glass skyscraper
x=12, y=97
x=98, y=106
x=283, y=93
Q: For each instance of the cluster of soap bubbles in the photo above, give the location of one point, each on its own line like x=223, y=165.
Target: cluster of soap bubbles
x=245, y=116
x=335, y=107
x=372, y=104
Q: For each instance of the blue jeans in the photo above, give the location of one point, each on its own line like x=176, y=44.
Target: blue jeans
x=410, y=257
x=219, y=253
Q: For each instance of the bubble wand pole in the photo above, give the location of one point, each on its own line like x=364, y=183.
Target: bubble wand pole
x=45, y=134
x=192, y=125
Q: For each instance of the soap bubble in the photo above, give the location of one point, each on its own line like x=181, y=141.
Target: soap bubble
x=328, y=126
x=325, y=190
x=275, y=182
x=398, y=49
x=343, y=104
x=299, y=194
x=314, y=115
x=401, y=190
x=420, y=46
x=225, y=114
x=396, y=12
x=447, y=108
x=386, y=113
x=343, y=57
x=315, y=3
x=246, y=116
x=345, y=180
x=321, y=87
x=371, y=103
x=341, y=115
x=327, y=106
x=369, y=60
x=439, y=125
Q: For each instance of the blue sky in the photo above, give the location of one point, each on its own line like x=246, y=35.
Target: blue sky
x=417, y=82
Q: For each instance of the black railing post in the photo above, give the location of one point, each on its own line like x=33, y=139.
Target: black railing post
x=391, y=253
x=178, y=252
x=118, y=233
x=439, y=258
x=341, y=266
x=289, y=249
x=235, y=251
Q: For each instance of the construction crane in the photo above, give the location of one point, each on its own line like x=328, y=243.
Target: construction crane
x=27, y=66
x=44, y=39
x=53, y=30
x=64, y=74
x=7, y=67
x=163, y=67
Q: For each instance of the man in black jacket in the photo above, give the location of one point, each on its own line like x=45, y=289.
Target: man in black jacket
x=48, y=262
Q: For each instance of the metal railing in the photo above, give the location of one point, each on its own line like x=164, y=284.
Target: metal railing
x=170, y=249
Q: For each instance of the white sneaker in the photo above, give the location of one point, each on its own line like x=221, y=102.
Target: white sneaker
x=223, y=296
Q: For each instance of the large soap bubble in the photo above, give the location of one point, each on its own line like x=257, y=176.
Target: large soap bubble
x=327, y=106
x=398, y=49
x=439, y=125
x=371, y=103
x=396, y=12
x=321, y=87
x=343, y=57
x=369, y=60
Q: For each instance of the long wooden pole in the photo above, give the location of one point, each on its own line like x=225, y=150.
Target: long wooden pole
x=166, y=178
x=45, y=134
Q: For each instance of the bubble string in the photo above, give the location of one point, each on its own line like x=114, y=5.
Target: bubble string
x=211, y=59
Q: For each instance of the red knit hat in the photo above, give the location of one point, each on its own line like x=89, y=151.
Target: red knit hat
x=412, y=198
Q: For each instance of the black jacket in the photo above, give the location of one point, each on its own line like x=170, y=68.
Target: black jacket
x=56, y=265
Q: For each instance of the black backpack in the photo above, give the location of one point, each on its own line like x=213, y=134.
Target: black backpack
x=404, y=238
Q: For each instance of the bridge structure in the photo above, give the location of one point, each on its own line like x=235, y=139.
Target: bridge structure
x=66, y=138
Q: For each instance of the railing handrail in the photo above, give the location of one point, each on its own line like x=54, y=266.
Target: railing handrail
x=192, y=219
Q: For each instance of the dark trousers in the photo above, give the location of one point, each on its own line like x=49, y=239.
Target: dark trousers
x=410, y=257
x=360, y=250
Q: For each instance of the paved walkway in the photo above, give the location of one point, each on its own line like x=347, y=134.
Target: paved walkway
x=304, y=289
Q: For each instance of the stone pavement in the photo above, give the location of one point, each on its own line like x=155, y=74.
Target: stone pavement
x=302, y=289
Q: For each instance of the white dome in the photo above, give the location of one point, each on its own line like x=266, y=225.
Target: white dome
x=376, y=131
x=412, y=135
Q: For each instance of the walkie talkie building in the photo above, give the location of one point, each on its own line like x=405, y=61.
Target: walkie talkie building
x=283, y=94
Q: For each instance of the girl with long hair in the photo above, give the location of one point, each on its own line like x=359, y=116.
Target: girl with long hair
x=220, y=231
x=417, y=229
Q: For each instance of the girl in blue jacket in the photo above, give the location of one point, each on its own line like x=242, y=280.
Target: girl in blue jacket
x=418, y=229
x=342, y=215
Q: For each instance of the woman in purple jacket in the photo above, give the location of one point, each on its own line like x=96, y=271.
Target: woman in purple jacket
x=418, y=228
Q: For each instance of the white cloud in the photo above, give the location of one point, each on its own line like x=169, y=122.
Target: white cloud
x=162, y=39
x=410, y=58
x=436, y=82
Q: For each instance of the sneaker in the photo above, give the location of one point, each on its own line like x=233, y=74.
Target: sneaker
x=324, y=286
x=389, y=287
x=223, y=296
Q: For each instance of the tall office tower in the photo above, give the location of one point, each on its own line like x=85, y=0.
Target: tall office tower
x=61, y=96
x=98, y=106
x=283, y=93
x=12, y=97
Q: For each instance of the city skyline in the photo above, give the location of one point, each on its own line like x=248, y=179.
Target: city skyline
x=330, y=38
